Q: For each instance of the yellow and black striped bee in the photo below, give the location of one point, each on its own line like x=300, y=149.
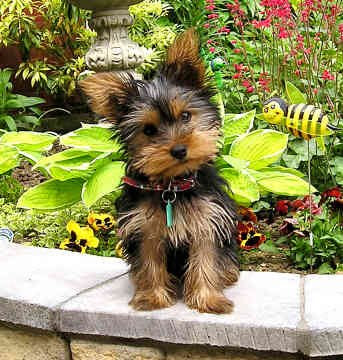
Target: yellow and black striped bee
x=302, y=120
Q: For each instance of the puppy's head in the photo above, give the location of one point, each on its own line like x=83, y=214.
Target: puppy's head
x=168, y=125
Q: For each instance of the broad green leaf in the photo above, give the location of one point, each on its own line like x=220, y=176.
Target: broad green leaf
x=28, y=119
x=63, y=173
x=52, y=195
x=94, y=138
x=105, y=180
x=34, y=156
x=29, y=101
x=72, y=158
x=284, y=184
x=243, y=187
x=325, y=268
x=12, y=126
x=295, y=96
x=9, y=158
x=13, y=104
x=29, y=140
x=237, y=124
x=273, y=169
x=269, y=247
x=261, y=147
x=235, y=162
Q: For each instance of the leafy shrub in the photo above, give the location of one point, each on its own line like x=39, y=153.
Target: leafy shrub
x=16, y=110
x=246, y=159
x=49, y=229
x=153, y=30
x=10, y=189
x=52, y=37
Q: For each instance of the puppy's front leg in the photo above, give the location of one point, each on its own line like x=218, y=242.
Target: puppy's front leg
x=154, y=287
x=203, y=289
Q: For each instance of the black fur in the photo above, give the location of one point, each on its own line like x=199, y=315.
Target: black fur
x=208, y=183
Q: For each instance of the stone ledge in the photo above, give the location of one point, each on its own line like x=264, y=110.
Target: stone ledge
x=83, y=294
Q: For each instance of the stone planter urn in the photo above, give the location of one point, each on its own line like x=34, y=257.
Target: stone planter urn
x=112, y=49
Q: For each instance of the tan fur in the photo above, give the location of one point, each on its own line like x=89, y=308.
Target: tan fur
x=156, y=161
x=186, y=49
x=154, y=286
x=203, y=286
x=101, y=88
x=193, y=225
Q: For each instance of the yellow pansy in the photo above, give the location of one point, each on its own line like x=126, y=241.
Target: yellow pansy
x=104, y=222
x=80, y=238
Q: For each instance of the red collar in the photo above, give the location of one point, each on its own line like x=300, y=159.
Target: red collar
x=176, y=185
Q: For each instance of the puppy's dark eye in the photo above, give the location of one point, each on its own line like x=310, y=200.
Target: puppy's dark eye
x=149, y=130
x=186, y=116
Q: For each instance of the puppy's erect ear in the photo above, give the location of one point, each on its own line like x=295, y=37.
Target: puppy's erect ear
x=109, y=93
x=183, y=63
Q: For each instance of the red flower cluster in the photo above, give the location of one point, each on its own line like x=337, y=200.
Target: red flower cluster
x=237, y=13
x=283, y=207
x=327, y=75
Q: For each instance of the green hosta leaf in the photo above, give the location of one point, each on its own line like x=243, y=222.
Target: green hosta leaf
x=243, y=187
x=63, y=173
x=9, y=122
x=29, y=140
x=295, y=96
x=237, y=124
x=9, y=158
x=236, y=163
x=260, y=147
x=32, y=156
x=105, y=180
x=52, y=195
x=284, y=184
x=71, y=158
x=94, y=138
x=273, y=169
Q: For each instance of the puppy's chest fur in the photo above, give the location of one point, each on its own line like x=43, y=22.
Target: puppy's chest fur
x=196, y=218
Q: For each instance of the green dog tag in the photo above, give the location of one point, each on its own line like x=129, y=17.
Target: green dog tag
x=169, y=213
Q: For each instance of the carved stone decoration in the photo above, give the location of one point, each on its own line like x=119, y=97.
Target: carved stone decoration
x=112, y=49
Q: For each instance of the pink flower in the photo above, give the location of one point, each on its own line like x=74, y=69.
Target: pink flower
x=327, y=75
x=212, y=16
x=210, y=7
x=236, y=51
x=283, y=34
x=246, y=83
x=212, y=49
x=207, y=25
x=250, y=89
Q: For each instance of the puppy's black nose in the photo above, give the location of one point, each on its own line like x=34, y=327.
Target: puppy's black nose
x=179, y=152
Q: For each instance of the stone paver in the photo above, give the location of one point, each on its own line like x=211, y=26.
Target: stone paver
x=324, y=314
x=91, y=350
x=267, y=311
x=35, y=280
x=25, y=344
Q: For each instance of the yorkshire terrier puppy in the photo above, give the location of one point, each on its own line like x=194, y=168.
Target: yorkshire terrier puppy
x=176, y=222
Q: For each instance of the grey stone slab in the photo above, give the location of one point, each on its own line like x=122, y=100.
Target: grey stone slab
x=324, y=314
x=267, y=311
x=33, y=281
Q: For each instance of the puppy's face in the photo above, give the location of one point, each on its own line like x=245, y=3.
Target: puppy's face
x=168, y=125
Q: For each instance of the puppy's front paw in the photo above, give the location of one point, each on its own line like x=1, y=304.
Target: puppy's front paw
x=215, y=303
x=153, y=299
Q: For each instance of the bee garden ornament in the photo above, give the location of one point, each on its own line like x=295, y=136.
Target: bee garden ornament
x=302, y=120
